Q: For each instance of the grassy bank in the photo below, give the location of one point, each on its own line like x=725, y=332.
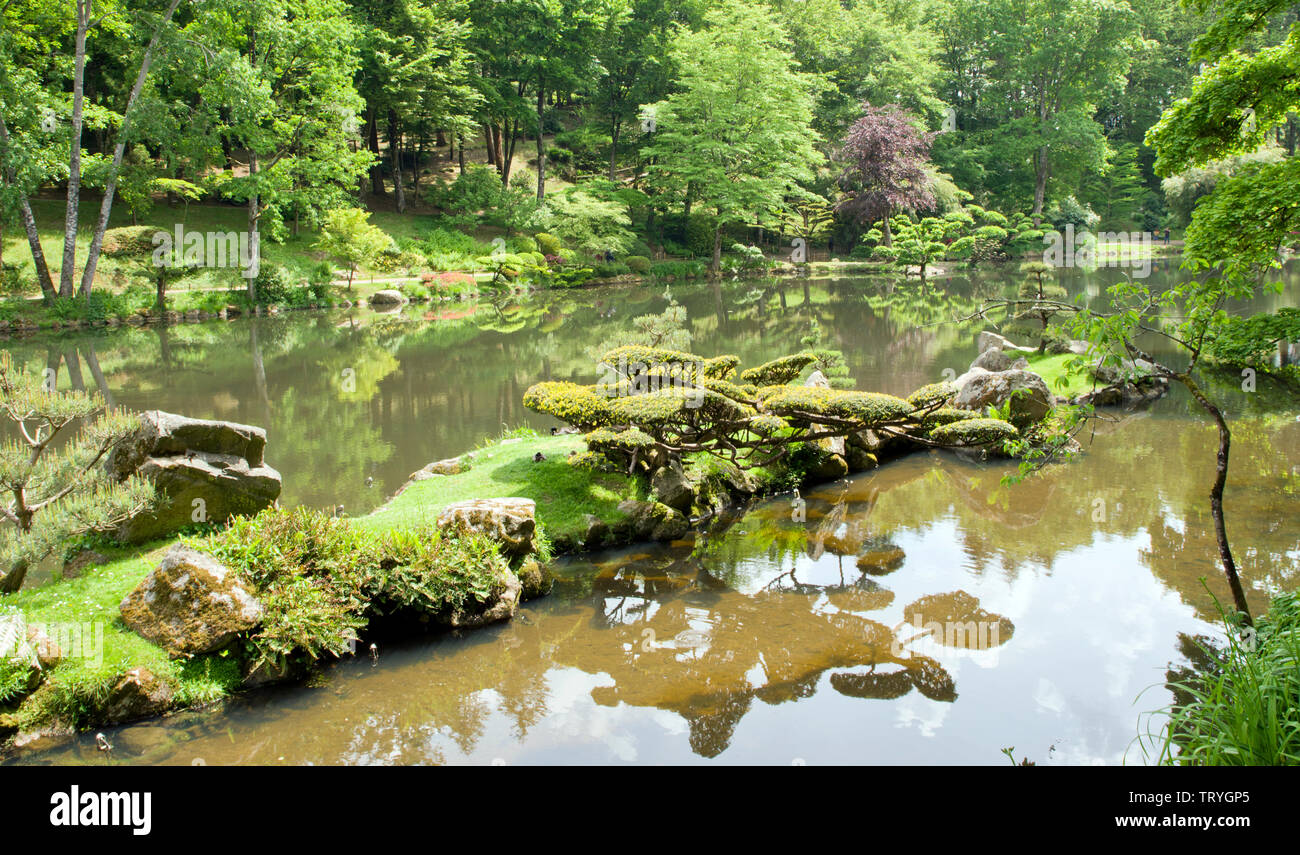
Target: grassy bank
x=88, y=605
x=565, y=494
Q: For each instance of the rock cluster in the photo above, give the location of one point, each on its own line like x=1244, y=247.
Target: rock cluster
x=204, y=471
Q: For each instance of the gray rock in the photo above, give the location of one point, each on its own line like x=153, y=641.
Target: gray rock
x=817, y=380
x=168, y=435
x=1030, y=398
x=597, y=531
x=993, y=359
x=204, y=471
x=510, y=521
x=988, y=340
x=653, y=520
x=190, y=604
x=450, y=466
x=672, y=488
x=502, y=607
x=960, y=382
x=388, y=297
x=138, y=694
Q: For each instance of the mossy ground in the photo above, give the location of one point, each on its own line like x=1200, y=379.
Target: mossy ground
x=1055, y=370
x=564, y=494
x=91, y=602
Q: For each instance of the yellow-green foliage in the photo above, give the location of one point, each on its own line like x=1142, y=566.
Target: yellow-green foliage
x=778, y=371
x=582, y=406
x=640, y=358
x=968, y=432
x=767, y=425
x=673, y=405
x=870, y=408
x=721, y=367
x=628, y=440
x=726, y=387
x=946, y=416
x=928, y=396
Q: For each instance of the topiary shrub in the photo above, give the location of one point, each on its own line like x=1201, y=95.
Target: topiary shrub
x=988, y=433
x=548, y=244
x=638, y=264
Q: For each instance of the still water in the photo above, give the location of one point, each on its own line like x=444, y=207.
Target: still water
x=1052, y=609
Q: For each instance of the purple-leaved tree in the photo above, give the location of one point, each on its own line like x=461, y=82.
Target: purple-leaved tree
x=884, y=156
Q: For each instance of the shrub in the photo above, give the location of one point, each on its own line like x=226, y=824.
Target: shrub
x=638, y=264
x=548, y=244
x=321, y=581
x=991, y=433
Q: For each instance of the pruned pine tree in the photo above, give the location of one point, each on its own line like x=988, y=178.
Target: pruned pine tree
x=52, y=476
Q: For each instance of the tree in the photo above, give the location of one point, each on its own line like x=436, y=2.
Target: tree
x=921, y=243
x=278, y=89
x=736, y=138
x=1024, y=77
x=652, y=406
x=58, y=490
x=348, y=235
x=884, y=156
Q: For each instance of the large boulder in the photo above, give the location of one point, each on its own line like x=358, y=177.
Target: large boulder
x=672, y=488
x=1030, y=398
x=512, y=522
x=204, y=471
x=387, y=297
x=502, y=607
x=190, y=604
x=652, y=521
x=993, y=359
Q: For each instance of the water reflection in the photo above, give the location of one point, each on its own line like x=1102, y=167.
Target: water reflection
x=842, y=637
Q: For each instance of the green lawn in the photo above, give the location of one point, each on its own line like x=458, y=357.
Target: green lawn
x=564, y=493
x=1053, y=368
x=90, y=603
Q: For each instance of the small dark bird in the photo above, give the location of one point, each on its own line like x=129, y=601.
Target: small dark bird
x=374, y=652
x=338, y=511
x=370, y=480
x=101, y=742
x=538, y=457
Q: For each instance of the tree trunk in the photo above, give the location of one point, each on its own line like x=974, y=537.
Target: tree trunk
x=715, y=265
x=886, y=233
x=1040, y=184
x=119, y=150
x=541, y=146
x=460, y=152
x=1216, y=497
x=613, y=149
x=73, y=206
x=490, y=145
x=372, y=142
x=254, y=218
x=395, y=149
x=13, y=580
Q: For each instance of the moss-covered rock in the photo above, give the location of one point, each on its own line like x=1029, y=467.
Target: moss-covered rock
x=987, y=433
x=934, y=393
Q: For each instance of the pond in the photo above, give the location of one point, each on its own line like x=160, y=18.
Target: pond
x=774, y=636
